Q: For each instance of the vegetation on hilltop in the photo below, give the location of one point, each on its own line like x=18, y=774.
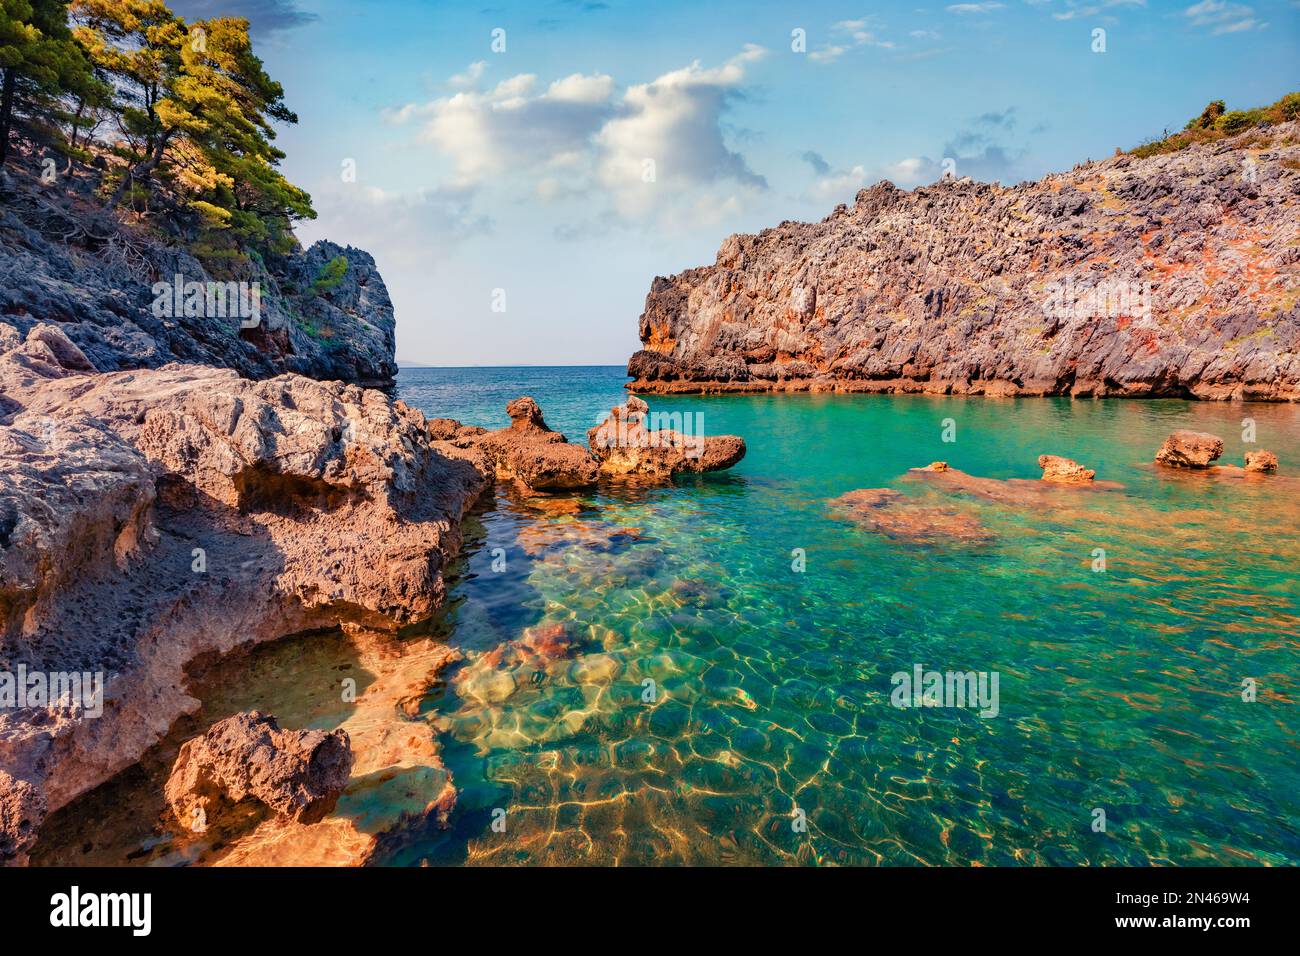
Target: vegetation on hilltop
x=1215, y=122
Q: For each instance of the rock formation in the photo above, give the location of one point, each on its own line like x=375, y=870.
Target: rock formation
x=530, y=452
x=1261, y=461
x=22, y=809
x=1189, y=449
x=1175, y=275
x=66, y=263
x=1064, y=470
x=299, y=774
x=150, y=517
x=627, y=448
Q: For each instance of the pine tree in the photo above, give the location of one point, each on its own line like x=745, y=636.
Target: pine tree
x=39, y=64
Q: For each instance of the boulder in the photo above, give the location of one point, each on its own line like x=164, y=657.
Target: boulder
x=529, y=452
x=22, y=810
x=899, y=517
x=1064, y=470
x=1262, y=461
x=1189, y=449
x=627, y=448
x=299, y=774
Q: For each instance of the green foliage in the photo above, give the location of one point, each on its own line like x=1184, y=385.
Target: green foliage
x=41, y=69
x=330, y=276
x=1215, y=123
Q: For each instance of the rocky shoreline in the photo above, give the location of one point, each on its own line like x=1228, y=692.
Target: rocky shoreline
x=1176, y=275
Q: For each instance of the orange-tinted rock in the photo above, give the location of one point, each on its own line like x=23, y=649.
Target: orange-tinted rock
x=531, y=453
x=22, y=809
x=299, y=774
x=1064, y=470
x=628, y=449
x=897, y=516
x=1261, y=460
x=1189, y=449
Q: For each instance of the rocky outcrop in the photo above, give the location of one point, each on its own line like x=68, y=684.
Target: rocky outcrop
x=627, y=448
x=1189, y=449
x=22, y=810
x=1176, y=275
x=112, y=290
x=1064, y=470
x=298, y=774
x=152, y=517
x=1261, y=461
x=531, y=453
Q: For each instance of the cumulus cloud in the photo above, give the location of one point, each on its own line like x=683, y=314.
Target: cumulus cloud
x=815, y=160
x=668, y=134
x=652, y=146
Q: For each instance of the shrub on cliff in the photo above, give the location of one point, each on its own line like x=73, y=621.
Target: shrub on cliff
x=1215, y=123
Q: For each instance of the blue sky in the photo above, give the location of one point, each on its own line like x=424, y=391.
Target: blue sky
x=525, y=169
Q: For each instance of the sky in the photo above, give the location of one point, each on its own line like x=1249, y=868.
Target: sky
x=522, y=171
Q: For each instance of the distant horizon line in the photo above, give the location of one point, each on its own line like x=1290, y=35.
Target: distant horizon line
x=414, y=365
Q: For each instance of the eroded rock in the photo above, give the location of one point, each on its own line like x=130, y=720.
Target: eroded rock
x=1261, y=461
x=299, y=774
x=1189, y=449
x=1064, y=470
x=22, y=810
x=897, y=516
x=530, y=452
x=627, y=448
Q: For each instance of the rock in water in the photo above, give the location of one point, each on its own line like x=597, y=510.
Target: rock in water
x=1064, y=470
x=1189, y=449
x=297, y=773
x=1170, y=275
x=627, y=448
x=531, y=453
x=1262, y=461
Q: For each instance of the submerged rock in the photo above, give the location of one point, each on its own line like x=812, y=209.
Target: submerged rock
x=1189, y=449
x=627, y=448
x=897, y=516
x=299, y=774
x=1262, y=461
x=1064, y=470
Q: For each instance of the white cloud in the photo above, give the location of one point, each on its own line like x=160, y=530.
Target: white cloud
x=964, y=8
x=670, y=128
x=1223, y=17
x=849, y=34
x=1077, y=8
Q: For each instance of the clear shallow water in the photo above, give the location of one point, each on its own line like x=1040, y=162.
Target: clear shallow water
x=1118, y=690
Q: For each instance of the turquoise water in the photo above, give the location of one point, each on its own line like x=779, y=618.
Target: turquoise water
x=767, y=734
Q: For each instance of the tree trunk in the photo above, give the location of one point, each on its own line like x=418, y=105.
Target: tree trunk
x=142, y=171
x=7, y=111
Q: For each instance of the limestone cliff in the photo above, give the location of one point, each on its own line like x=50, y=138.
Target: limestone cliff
x=64, y=261
x=1174, y=275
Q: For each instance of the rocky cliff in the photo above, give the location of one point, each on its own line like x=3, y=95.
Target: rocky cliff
x=1174, y=275
x=120, y=294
